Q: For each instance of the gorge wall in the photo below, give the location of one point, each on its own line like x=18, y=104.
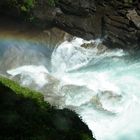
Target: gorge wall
x=117, y=21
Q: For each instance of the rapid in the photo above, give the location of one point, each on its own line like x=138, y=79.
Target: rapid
x=102, y=85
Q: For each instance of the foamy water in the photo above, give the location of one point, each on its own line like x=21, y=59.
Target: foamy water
x=101, y=85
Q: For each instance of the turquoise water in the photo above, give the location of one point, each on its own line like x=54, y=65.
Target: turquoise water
x=101, y=85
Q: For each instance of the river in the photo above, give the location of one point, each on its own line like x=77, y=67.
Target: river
x=100, y=84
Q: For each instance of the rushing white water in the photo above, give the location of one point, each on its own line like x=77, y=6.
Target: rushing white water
x=101, y=85
x=31, y=72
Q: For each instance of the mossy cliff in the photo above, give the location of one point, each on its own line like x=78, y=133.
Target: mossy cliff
x=24, y=115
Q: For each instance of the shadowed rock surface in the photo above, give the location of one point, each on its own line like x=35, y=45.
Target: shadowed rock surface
x=97, y=19
x=117, y=21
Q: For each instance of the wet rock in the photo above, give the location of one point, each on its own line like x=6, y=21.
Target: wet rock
x=110, y=95
x=95, y=19
x=119, y=32
x=84, y=22
x=95, y=101
x=107, y=102
x=78, y=7
x=88, y=45
x=134, y=17
x=102, y=48
x=113, y=20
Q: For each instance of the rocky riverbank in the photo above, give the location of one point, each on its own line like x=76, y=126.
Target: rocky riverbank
x=116, y=21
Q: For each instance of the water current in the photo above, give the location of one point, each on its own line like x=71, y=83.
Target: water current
x=100, y=84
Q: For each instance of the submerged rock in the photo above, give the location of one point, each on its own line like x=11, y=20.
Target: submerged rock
x=110, y=95
x=106, y=101
x=101, y=48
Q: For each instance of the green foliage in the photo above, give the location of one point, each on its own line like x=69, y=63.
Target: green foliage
x=23, y=5
x=30, y=3
x=27, y=5
x=85, y=137
x=24, y=8
x=26, y=92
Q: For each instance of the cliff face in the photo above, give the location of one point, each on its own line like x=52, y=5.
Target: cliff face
x=117, y=21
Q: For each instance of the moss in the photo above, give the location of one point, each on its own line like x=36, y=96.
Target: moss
x=24, y=9
x=26, y=92
x=26, y=116
x=85, y=137
x=27, y=5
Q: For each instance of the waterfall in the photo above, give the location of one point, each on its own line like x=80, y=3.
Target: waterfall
x=100, y=84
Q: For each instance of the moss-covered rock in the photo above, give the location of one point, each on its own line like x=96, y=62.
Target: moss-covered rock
x=24, y=115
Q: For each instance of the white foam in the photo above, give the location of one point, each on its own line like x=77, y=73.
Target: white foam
x=70, y=56
x=102, y=87
x=113, y=120
x=31, y=73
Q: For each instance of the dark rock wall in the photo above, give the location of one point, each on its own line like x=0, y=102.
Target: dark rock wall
x=96, y=19
x=117, y=21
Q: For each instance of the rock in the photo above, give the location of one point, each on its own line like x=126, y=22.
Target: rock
x=134, y=17
x=110, y=95
x=119, y=32
x=78, y=7
x=113, y=20
x=95, y=100
x=107, y=101
x=95, y=19
x=102, y=48
x=58, y=11
x=88, y=45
